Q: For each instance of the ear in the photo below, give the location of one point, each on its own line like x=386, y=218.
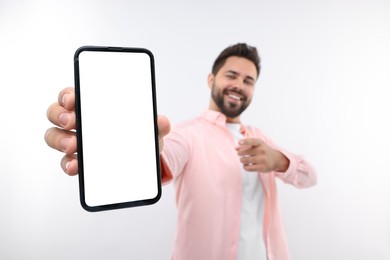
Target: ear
x=210, y=80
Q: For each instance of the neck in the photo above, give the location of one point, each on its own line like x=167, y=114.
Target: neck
x=213, y=106
x=235, y=120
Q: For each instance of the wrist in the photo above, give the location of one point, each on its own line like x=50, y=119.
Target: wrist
x=282, y=164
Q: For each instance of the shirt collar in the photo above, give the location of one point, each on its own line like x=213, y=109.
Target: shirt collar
x=214, y=117
x=218, y=118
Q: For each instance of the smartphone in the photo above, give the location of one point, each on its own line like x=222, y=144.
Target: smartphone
x=116, y=124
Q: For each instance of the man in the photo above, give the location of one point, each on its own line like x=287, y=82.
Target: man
x=224, y=172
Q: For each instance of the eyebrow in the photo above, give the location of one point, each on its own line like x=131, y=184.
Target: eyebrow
x=236, y=74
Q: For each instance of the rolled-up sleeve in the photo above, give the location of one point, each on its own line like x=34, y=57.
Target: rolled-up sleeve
x=300, y=172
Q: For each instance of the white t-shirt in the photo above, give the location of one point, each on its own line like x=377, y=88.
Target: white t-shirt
x=251, y=242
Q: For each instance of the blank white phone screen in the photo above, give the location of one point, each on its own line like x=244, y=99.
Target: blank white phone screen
x=117, y=107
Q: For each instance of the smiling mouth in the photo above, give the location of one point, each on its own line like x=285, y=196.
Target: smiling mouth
x=235, y=96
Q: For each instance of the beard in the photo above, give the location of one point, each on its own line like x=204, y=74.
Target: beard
x=229, y=109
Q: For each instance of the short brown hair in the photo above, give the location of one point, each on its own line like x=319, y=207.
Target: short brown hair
x=240, y=50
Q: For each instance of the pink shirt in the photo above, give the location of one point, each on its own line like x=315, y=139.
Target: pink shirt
x=200, y=158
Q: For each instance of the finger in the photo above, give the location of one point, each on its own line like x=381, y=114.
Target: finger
x=250, y=142
x=254, y=164
x=69, y=164
x=61, y=140
x=61, y=117
x=255, y=168
x=247, y=160
x=163, y=129
x=250, y=151
x=67, y=98
x=163, y=126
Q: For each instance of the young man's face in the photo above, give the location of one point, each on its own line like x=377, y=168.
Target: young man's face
x=232, y=87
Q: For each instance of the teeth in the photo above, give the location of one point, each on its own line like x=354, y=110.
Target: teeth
x=234, y=97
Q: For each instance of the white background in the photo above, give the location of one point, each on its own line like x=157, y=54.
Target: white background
x=323, y=92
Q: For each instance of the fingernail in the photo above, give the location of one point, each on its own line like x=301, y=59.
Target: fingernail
x=67, y=166
x=64, y=118
x=64, y=98
x=64, y=143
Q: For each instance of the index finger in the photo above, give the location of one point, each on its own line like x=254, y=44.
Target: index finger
x=250, y=142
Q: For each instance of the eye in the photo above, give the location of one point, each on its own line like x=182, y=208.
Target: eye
x=230, y=76
x=249, y=82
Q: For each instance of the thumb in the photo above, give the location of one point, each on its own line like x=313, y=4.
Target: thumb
x=163, y=125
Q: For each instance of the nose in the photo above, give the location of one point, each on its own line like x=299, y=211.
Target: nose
x=239, y=84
